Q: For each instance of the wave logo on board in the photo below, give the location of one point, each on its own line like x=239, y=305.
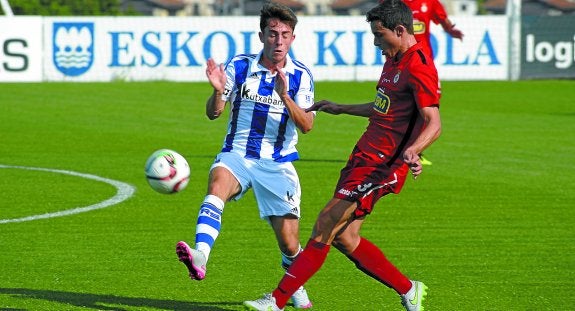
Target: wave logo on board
x=73, y=47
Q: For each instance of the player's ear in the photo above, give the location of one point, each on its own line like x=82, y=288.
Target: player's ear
x=399, y=30
x=261, y=35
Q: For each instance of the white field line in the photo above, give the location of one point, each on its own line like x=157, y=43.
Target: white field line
x=125, y=191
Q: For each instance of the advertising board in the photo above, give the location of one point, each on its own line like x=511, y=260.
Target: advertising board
x=177, y=48
x=548, y=47
x=21, y=49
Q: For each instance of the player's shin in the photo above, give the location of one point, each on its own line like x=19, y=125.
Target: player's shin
x=308, y=262
x=209, y=224
x=371, y=260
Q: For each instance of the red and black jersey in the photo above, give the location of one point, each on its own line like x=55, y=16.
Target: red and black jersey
x=375, y=167
x=407, y=83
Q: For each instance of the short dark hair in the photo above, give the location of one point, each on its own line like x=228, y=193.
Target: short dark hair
x=276, y=10
x=392, y=13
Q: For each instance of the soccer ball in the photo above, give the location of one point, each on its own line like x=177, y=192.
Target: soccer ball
x=167, y=171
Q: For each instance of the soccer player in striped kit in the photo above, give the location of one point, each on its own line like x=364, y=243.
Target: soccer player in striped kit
x=404, y=119
x=268, y=94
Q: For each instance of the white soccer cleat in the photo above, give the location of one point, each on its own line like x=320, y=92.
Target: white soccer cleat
x=413, y=299
x=300, y=299
x=266, y=303
x=194, y=260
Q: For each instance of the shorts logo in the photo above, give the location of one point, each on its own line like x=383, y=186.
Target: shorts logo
x=73, y=47
x=347, y=193
x=289, y=196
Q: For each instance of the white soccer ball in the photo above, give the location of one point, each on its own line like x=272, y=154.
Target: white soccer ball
x=167, y=171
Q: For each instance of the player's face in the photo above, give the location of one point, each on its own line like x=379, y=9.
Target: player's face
x=386, y=39
x=277, y=39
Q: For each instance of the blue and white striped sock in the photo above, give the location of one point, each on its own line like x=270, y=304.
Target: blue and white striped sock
x=288, y=260
x=209, y=223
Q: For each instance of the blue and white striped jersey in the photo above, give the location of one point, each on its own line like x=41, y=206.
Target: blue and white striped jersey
x=259, y=124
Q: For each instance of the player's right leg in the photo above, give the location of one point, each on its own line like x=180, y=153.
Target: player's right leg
x=207, y=230
x=194, y=260
x=222, y=185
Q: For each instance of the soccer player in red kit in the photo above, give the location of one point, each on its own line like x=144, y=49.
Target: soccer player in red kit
x=425, y=12
x=404, y=119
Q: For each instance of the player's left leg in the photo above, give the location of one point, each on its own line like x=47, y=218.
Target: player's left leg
x=286, y=229
x=277, y=190
x=333, y=218
x=370, y=259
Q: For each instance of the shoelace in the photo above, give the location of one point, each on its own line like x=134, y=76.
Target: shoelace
x=265, y=298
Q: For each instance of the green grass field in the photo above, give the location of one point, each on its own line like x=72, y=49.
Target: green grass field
x=489, y=226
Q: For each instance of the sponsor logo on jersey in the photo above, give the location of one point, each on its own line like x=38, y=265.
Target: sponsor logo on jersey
x=73, y=47
x=418, y=27
x=381, y=102
x=247, y=94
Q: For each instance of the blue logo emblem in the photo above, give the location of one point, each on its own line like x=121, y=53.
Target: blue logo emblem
x=73, y=47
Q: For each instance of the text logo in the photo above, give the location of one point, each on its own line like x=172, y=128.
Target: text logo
x=15, y=52
x=562, y=52
x=73, y=47
x=381, y=103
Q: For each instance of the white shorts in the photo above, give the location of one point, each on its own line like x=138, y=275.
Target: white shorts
x=275, y=184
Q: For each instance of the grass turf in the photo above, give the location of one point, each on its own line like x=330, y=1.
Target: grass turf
x=489, y=226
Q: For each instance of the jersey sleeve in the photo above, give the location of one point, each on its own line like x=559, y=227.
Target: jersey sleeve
x=438, y=13
x=230, y=72
x=304, y=97
x=425, y=85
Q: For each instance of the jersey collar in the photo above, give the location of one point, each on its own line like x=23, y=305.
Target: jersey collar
x=413, y=48
x=289, y=66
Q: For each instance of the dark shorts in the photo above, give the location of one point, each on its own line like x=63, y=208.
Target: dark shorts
x=366, y=178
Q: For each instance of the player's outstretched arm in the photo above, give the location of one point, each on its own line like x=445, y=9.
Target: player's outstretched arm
x=361, y=110
x=449, y=27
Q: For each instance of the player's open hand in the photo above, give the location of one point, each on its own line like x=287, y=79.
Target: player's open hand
x=455, y=33
x=280, y=84
x=325, y=106
x=216, y=75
